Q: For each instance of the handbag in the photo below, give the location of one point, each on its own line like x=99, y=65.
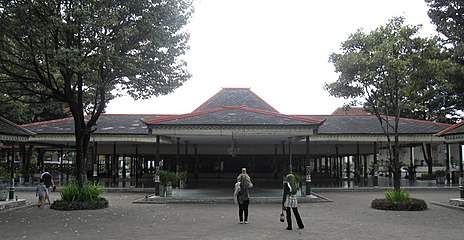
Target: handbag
x=282, y=216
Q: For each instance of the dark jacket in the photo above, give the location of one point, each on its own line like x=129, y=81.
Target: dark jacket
x=242, y=195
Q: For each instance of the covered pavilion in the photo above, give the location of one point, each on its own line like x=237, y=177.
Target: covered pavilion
x=235, y=128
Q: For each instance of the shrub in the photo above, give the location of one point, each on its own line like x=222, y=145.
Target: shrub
x=73, y=197
x=412, y=205
x=440, y=173
x=168, y=176
x=427, y=176
x=397, y=196
x=91, y=192
x=73, y=192
x=68, y=206
x=4, y=176
x=399, y=200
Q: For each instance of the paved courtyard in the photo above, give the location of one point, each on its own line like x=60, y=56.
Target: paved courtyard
x=347, y=216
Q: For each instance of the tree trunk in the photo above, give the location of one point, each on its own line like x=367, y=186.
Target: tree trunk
x=27, y=163
x=427, y=152
x=81, y=163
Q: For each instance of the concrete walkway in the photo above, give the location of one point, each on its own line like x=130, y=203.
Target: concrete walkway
x=346, y=216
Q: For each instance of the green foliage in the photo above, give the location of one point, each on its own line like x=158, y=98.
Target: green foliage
x=300, y=179
x=72, y=192
x=182, y=176
x=427, y=176
x=4, y=175
x=388, y=70
x=31, y=109
x=69, y=206
x=74, y=197
x=412, y=205
x=85, y=52
x=393, y=71
x=397, y=196
x=440, y=173
x=448, y=18
x=168, y=176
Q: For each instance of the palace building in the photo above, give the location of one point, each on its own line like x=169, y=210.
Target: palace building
x=235, y=128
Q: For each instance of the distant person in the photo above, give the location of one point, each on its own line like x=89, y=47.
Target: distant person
x=41, y=192
x=241, y=196
x=49, y=183
x=289, y=201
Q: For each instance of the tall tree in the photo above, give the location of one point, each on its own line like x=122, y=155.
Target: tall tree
x=383, y=69
x=31, y=109
x=448, y=17
x=81, y=52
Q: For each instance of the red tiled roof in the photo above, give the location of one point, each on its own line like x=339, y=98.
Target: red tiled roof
x=450, y=129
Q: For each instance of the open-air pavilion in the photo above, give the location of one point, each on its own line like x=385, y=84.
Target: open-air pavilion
x=235, y=128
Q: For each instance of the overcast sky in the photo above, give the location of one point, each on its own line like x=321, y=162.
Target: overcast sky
x=279, y=49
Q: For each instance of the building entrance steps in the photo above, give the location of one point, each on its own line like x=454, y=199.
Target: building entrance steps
x=218, y=194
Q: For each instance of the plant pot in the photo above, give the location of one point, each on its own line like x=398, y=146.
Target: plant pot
x=440, y=180
x=3, y=192
x=162, y=191
x=169, y=189
x=302, y=190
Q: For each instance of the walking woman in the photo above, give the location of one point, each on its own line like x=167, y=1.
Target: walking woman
x=241, y=195
x=289, y=201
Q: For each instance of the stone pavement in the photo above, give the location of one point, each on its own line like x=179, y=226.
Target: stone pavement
x=347, y=216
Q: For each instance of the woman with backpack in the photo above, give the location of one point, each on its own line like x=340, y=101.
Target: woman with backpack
x=241, y=195
x=289, y=201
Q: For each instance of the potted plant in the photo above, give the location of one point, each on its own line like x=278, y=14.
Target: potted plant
x=167, y=178
x=440, y=176
x=301, y=180
x=182, y=177
x=4, y=180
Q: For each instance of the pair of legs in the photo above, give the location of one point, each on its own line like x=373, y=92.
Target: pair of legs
x=41, y=201
x=289, y=218
x=243, y=210
x=47, y=196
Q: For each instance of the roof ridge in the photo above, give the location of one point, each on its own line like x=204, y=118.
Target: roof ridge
x=215, y=96
x=450, y=128
x=198, y=113
x=134, y=114
x=17, y=127
x=179, y=116
x=277, y=114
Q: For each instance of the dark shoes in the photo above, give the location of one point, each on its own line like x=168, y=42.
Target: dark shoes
x=289, y=228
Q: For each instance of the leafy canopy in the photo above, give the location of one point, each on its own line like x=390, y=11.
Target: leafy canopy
x=393, y=71
x=79, y=51
x=64, y=48
x=387, y=70
x=448, y=17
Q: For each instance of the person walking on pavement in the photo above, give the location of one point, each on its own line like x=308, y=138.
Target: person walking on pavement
x=49, y=183
x=241, y=195
x=41, y=192
x=289, y=201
